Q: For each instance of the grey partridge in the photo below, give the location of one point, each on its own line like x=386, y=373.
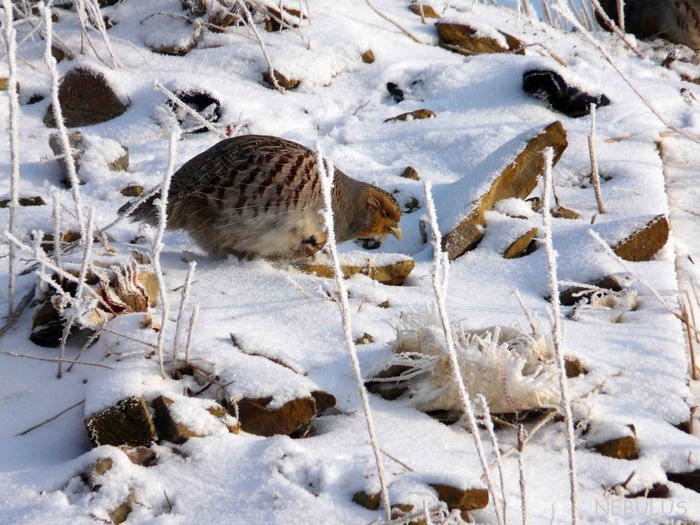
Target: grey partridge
x=260, y=196
x=675, y=20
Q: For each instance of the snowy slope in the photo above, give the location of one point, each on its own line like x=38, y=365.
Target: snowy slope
x=637, y=367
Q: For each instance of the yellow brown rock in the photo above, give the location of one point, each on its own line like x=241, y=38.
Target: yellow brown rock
x=391, y=274
x=121, y=513
x=410, y=173
x=464, y=39
x=178, y=431
x=428, y=10
x=565, y=213
x=368, y=57
x=619, y=448
x=282, y=80
x=368, y=501
x=133, y=190
x=278, y=21
x=644, y=244
x=517, y=180
x=521, y=246
x=462, y=499
x=126, y=423
x=257, y=418
x=418, y=114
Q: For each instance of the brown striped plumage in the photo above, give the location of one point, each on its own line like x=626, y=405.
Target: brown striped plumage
x=260, y=196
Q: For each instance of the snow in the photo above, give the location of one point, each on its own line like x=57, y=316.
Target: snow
x=637, y=367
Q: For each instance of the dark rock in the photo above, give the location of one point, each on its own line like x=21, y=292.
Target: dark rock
x=657, y=490
x=645, y=243
x=619, y=448
x=462, y=39
x=256, y=418
x=364, y=339
x=201, y=102
x=573, y=295
x=395, y=91
x=411, y=205
x=24, y=201
x=428, y=10
x=393, y=274
x=574, y=367
x=47, y=326
x=550, y=86
x=283, y=81
x=522, y=246
x=126, y=423
x=690, y=480
x=462, y=499
x=368, y=501
x=142, y=456
x=517, y=180
x=34, y=99
x=86, y=99
x=324, y=400
x=278, y=21
x=418, y=114
x=410, y=173
x=133, y=190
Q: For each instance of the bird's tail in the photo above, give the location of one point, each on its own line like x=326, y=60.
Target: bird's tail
x=146, y=212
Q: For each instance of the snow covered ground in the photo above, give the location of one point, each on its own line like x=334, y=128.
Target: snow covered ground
x=637, y=365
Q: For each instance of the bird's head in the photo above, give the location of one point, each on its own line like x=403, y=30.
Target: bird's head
x=386, y=215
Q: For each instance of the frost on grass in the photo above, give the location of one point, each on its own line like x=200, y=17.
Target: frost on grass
x=512, y=370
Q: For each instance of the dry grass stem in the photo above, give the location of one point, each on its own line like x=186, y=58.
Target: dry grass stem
x=595, y=175
x=565, y=404
x=54, y=360
x=441, y=266
x=49, y=420
x=393, y=22
x=184, y=297
x=325, y=174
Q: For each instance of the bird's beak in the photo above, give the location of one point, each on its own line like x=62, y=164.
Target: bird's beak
x=397, y=232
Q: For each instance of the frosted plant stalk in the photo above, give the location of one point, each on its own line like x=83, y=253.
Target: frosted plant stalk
x=98, y=20
x=251, y=25
x=190, y=333
x=595, y=175
x=158, y=244
x=618, y=30
x=621, y=14
x=38, y=237
x=560, y=8
x=325, y=175
x=565, y=403
x=393, y=22
x=521, y=469
x=60, y=125
x=42, y=258
x=160, y=87
x=183, y=300
x=440, y=264
x=11, y=39
x=78, y=303
x=488, y=422
x=57, y=227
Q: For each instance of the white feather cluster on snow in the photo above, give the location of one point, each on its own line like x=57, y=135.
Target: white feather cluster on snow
x=512, y=370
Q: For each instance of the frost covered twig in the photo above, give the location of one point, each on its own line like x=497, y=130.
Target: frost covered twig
x=566, y=13
x=87, y=259
x=160, y=87
x=595, y=176
x=565, y=404
x=393, y=22
x=12, y=319
x=11, y=40
x=183, y=300
x=60, y=125
x=98, y=20
x=190, y=333
x=54, y=360
x=325, y=175
x=530, y=319
x=521, y=468
x=440, y=263
x=158, y=243
x=251, y=25
x=619, y=29
x=488, y=423
x=49, y=420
